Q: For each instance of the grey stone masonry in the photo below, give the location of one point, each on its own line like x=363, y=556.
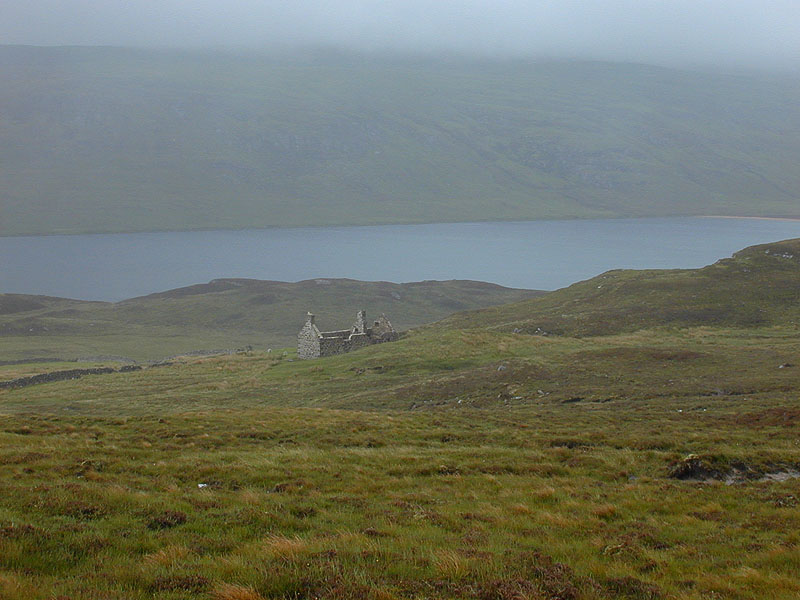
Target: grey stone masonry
x=313, y=343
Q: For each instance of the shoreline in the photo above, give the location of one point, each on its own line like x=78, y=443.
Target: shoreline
x=750, y=218
x=378, y=224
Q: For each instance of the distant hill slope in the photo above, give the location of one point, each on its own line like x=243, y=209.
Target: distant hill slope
x=104, y=139
x=225, y=313
x=758, y=286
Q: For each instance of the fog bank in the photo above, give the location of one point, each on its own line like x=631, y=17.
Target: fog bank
x=743, y=33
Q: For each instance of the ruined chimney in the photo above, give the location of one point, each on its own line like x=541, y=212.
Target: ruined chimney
x=361, y=322
x=310, y=318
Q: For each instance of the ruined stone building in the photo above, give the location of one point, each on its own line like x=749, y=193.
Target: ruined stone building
x=313, y=343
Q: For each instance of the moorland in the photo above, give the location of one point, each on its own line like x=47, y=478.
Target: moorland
x=633, y=436
x=222, y=315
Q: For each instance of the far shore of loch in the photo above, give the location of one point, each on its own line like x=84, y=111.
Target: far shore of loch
x=542, y=255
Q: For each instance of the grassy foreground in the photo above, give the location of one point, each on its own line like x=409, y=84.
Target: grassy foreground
x=653, y=457
x=463, y=464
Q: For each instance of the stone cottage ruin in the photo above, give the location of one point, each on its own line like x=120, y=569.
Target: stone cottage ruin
x=313, y=343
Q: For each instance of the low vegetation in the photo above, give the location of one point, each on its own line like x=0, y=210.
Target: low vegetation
x=756, y=287
x=455, y=463
x=221, y=315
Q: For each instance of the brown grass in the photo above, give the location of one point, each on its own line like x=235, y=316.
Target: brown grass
x=229, y=591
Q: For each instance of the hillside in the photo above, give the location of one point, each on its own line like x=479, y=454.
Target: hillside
x=758, y=286
x=224, y=314
x=453, y=464
x=104, y=139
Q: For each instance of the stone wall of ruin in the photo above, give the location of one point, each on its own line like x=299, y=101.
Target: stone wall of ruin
x=311, y=343
x=308, y=342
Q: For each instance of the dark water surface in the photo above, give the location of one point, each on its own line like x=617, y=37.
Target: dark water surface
x=533, y=254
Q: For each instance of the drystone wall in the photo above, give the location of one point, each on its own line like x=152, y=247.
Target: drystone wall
x=308, y=341
x=328, y=346
x=63, y=376
x=307, y=349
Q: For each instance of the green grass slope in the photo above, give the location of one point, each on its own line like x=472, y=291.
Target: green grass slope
x=758, y=286
x=224, y=314
x=104, y=139
x=451, y=464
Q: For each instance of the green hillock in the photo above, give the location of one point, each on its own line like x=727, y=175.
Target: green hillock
x=758, y=286
x=224, y=314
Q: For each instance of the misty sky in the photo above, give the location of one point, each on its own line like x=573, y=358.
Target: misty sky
x=696, y=32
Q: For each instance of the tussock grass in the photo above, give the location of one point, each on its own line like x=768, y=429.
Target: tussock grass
x=228, y=591
x=418, y=469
